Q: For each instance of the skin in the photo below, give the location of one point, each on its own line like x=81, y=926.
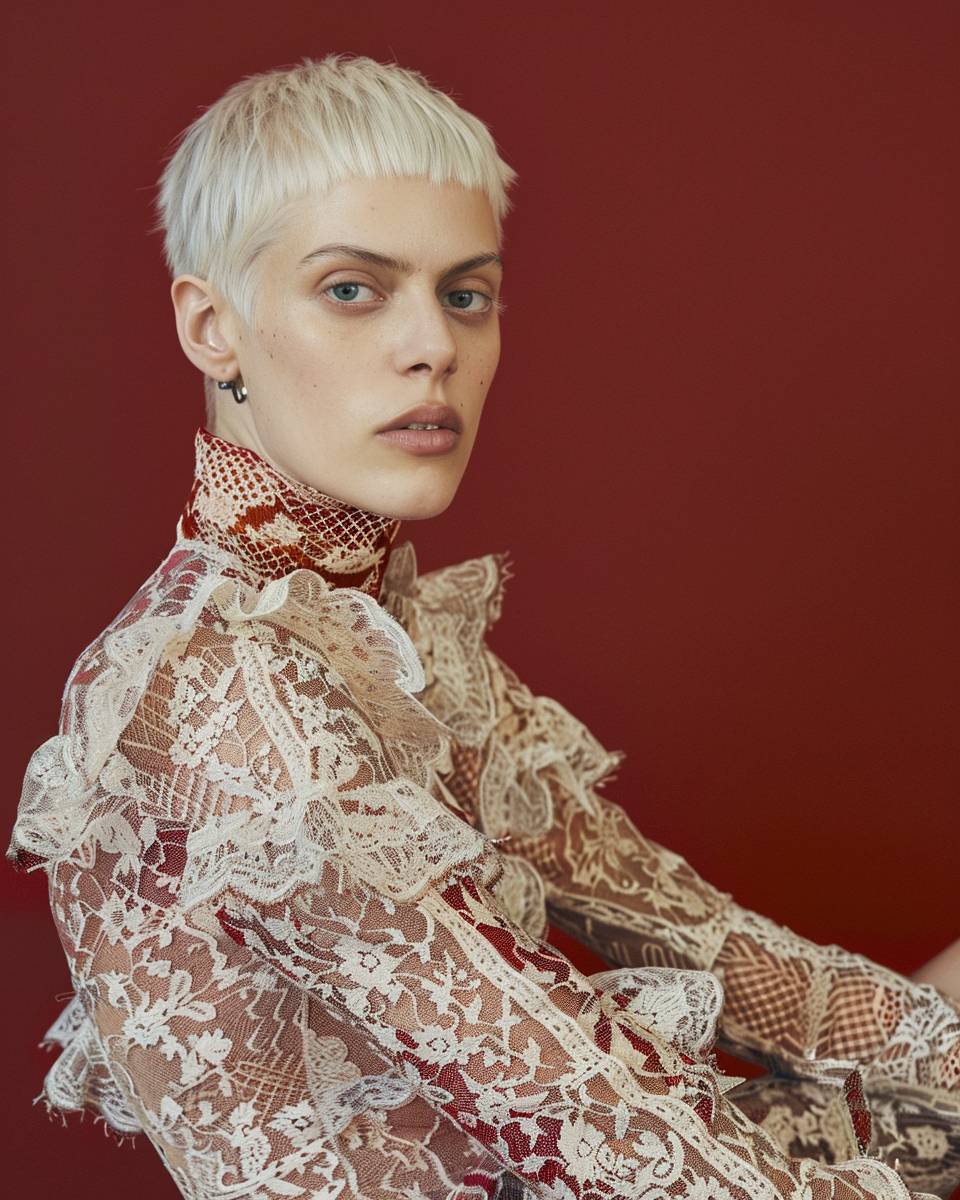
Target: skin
x=339, y=346
x=943, y=971
x=325, y=368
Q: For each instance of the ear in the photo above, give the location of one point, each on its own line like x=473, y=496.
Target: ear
x=206, y=327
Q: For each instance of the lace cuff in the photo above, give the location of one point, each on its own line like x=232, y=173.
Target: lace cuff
x=816, y=1011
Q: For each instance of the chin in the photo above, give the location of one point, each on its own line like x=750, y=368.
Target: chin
x=422, y=510
x=420, y=505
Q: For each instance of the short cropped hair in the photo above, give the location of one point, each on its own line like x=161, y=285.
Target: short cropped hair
x=277, y=136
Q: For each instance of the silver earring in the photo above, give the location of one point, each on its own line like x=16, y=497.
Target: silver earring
x=239, y=390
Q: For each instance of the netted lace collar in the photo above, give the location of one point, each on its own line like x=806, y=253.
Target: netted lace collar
x=241, y=503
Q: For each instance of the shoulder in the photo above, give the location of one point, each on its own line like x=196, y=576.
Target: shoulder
x=447, y=614
x=109, y=674
x=200, y=655
x=198, y=615
x=459, y=602
x=472, y=589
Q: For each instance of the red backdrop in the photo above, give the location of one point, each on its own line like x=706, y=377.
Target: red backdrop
x=722, y=446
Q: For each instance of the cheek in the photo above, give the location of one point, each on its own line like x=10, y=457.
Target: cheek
x=485, y=364
x=298, y=354
x=325, y=350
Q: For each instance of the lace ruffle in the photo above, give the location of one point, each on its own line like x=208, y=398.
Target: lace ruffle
x=517, y=766
x=81, y=1079
x=268, y=818
x=447, y=613
x=682, y=1006
x=297, y=632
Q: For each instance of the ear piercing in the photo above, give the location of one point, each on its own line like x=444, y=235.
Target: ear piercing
x=235, y=386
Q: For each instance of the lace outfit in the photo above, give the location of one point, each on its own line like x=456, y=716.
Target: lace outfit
x=304, y=832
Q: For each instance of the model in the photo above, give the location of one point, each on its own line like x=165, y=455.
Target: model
x=304, y=829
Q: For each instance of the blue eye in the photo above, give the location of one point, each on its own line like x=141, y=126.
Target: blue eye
x=465, y=295
x=350, y=288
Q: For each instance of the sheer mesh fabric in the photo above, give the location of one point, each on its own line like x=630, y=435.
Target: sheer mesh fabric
x=303, y=836
x=805, y=1011
x=238, y=499
x=805, y=1119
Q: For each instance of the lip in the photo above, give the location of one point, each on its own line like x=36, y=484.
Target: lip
x=421, y=441
x=427, y=414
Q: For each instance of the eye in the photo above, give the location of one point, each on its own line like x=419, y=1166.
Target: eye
x=346, y=292
x=461, y=300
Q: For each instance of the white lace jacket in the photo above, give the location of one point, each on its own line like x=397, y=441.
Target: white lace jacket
x=304, y=831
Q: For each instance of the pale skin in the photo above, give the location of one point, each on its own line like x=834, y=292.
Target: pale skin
x=943, y=971
x=327, y=364
x=326, y=369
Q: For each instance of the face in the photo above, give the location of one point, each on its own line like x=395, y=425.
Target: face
x=376, y=297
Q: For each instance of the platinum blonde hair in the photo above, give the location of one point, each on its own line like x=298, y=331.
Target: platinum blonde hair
x=280, y=135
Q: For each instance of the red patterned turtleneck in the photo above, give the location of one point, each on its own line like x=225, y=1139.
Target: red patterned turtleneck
x=274, y=524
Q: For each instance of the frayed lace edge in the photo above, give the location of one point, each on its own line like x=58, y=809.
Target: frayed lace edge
x=57, y=1112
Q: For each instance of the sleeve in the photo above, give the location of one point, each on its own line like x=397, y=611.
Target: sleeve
x=804, y=1118
x=323, y=851
x=802, y=1009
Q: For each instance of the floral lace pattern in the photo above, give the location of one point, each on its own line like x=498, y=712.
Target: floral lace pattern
x=302, y=846
x=806, y=1120
x=804, y=1011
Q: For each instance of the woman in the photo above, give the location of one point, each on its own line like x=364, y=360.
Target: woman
x=304, y=829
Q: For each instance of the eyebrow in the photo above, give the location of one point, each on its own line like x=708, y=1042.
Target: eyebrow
x=397, y=264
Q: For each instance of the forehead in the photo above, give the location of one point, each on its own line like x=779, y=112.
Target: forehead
x=409, y=217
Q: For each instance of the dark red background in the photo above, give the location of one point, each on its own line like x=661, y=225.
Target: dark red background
x=722, y=446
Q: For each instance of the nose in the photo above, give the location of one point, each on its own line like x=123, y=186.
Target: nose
x=426, y=343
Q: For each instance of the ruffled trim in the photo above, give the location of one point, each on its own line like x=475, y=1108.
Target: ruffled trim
x=519, y=891
x=393, y=834
x=681, y=1006
x=448, y=612
x=517, y=749
x=100, y=697
x=390, y=837
x=109, y=677
x=81, y=1081
x=477, y=582
x=294, y=601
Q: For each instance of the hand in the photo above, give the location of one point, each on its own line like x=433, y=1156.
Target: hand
x=943, y=971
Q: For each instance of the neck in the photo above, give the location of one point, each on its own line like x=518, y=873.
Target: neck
x=241, y=503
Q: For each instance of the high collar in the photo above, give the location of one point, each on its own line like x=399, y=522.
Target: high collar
x=241, y=503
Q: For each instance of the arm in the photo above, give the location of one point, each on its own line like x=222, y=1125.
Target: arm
x=324, y=852
x=807, y=1010
x=501, y=1034
x=272, y=788
x=943, y=971
x=802, y=1116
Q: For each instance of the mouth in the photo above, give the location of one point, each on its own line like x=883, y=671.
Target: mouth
x=419, y=441
x=427, y=429
x=426, y=418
